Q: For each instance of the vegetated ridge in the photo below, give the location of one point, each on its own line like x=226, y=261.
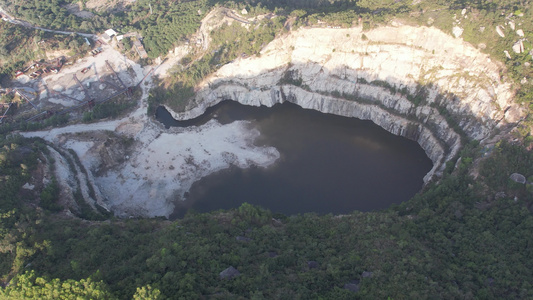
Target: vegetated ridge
x=465, y=236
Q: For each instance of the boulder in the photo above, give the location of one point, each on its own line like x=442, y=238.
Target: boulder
x=28, y=186
x=516, y=177
x=229, y=273
x=518, y=47
x=500, y=195
x=457, y=31
x=499, y=30
x=366, y=274
x=507, y=54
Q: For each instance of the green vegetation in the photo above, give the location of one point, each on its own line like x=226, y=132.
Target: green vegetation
x=291, y=77
x=14, y=50
x=50, y=195
x=53, y=14
x=47, y=13
x=162, y=23
x=169, y=23
x=107, y=109
x=461, y=237
x=229, y=42
x=29, y=286
x=479, y=23
x=21, y=45
x=52, y=121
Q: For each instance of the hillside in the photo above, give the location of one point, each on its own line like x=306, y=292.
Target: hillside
x=86, y=190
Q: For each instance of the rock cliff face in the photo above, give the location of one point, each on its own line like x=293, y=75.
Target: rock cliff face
x=412, y=81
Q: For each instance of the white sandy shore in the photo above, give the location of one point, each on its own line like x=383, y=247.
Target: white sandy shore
x=165, y=168
x=165, y=162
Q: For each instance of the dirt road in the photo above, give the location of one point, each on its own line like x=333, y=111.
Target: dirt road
x=8, y=18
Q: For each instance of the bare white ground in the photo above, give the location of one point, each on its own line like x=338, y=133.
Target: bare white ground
x=163, y=169
x=164, y=163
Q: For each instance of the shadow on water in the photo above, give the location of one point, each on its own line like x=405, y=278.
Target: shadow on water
x=328, y=164
x=225, y=112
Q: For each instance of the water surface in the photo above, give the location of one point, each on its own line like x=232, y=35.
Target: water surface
x=328, y=164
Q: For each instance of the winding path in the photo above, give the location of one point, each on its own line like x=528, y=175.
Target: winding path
x=8, y=18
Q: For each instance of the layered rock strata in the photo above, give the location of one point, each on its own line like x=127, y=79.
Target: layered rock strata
x=412, y=81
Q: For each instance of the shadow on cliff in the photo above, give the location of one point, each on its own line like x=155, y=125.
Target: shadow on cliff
x=346, y=83
x=423, y=112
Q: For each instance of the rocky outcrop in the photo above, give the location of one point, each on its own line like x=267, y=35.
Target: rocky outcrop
x=416, y=82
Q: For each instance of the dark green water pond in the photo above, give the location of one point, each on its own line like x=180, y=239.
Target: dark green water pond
x=328, y=164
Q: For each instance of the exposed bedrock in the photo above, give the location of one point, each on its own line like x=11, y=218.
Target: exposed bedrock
x=416, y=82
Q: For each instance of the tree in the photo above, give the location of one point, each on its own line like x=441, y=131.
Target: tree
x=49, y=196
x=3, y=51
x=298, y=13
x=73, y=44
x=147, y=293
x=29, y=286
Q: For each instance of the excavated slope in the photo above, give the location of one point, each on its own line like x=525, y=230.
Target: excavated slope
x=376, y=75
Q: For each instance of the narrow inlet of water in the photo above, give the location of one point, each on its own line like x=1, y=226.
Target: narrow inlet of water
x=328, y=164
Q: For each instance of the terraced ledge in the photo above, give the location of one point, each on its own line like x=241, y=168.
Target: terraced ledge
x=336, y=71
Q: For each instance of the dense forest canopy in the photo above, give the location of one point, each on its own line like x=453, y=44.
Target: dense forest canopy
x=459, y=238
x=453, y=241
x=165, y=24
